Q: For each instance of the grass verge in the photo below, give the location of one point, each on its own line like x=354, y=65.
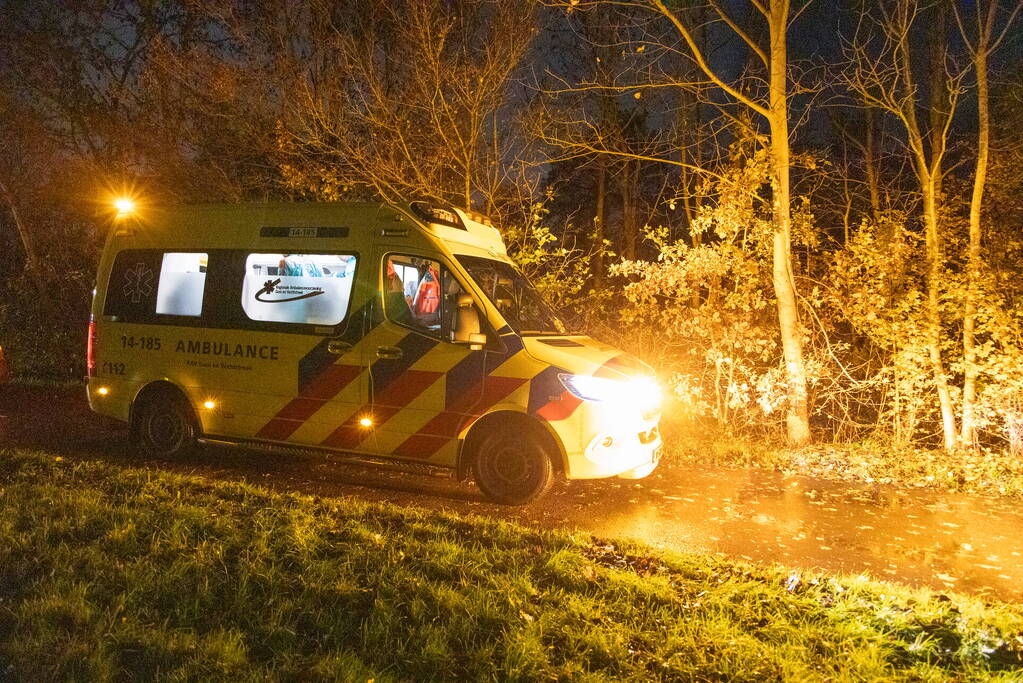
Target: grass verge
x=111, y=573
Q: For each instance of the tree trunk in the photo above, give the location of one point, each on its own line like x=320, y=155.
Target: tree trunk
x=31, y=262
x=685, y=138
x=968, y=434
x=797, y=417
x=928, y=171
x=598, y=225
x=933, y=312
x=630, y=199
x=938, y=108
x=870, y=165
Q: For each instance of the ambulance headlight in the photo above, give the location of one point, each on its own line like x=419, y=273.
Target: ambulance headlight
x=642, y=392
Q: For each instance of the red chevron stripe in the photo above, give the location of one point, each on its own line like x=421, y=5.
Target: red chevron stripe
x=560, y=409
x=432, y=436
x=387, y=404
x=326, y=386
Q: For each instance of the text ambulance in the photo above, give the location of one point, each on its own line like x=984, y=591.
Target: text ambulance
x=396, y=335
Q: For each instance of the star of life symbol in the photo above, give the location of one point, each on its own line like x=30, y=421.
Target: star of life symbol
x=138, y=282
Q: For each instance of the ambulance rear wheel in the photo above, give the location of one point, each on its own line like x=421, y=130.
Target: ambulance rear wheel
x=512, y=467
x=164, y=427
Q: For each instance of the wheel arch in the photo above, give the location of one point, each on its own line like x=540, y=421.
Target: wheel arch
x=475, y=432
x=161, y=388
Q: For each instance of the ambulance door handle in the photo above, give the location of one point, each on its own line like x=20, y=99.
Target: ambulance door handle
x=338, y=348
x=389, y=352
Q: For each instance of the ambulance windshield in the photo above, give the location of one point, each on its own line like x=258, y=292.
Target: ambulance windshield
x=520, y=304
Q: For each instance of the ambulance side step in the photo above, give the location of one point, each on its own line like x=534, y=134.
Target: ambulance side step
x=393, y=464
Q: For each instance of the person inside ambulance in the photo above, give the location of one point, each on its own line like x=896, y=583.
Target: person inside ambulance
x=297, y=265
x=519, y=303
x=426, y=303
x=395, y=303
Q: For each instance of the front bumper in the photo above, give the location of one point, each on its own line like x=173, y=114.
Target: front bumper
x=626, y=453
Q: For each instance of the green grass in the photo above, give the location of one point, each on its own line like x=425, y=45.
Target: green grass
x=121, y=573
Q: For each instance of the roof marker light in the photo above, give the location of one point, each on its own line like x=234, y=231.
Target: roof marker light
x=124, y=206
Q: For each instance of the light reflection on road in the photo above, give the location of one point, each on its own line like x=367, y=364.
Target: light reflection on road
x=915, y=536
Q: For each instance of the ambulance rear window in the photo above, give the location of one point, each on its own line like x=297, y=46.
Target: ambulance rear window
x=131, y=289
x=309, y=289
x=146, y=284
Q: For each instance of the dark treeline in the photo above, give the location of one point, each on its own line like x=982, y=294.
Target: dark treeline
x=806, y=215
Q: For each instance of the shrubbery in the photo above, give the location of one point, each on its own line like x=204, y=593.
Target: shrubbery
x=44, y=312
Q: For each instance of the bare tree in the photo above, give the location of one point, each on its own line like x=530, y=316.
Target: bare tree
x=981, y=43
x=880, y=71
x=764, y=97
x=409, y=98
x=9, y=118
x=774, y=108
x=593, y=106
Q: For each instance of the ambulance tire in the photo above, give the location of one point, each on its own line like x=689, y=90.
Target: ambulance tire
x=163, y=425
x=512, y=467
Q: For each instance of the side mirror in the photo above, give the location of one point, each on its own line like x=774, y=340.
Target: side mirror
x=466, y=328
x=477, y=341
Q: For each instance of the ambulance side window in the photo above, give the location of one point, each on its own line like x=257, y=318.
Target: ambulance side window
x=182, y=284
x=306, y=289
x=420, y=293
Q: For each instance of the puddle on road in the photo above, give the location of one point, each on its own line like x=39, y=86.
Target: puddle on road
x=920, y=537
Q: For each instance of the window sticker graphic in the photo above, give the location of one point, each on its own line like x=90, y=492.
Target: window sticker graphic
x=182, y=284
x=138, y=283
x=312, y=289
x=271, y=285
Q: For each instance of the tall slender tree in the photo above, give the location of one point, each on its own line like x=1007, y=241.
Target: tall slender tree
x=772, y=107
x=981, y=42
x=880, y=71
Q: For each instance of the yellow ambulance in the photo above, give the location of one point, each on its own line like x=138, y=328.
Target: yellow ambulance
x=397, y=335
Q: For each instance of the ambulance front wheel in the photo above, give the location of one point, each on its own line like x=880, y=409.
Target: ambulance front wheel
x=163, y=425
x=512, y=467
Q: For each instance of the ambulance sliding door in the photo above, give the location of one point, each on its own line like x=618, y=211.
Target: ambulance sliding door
x=306, y=307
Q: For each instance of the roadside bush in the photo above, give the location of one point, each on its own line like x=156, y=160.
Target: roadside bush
x=44, y=311
x=44, y=326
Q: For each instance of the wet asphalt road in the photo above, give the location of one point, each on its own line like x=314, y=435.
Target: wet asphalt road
x=919, y=537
